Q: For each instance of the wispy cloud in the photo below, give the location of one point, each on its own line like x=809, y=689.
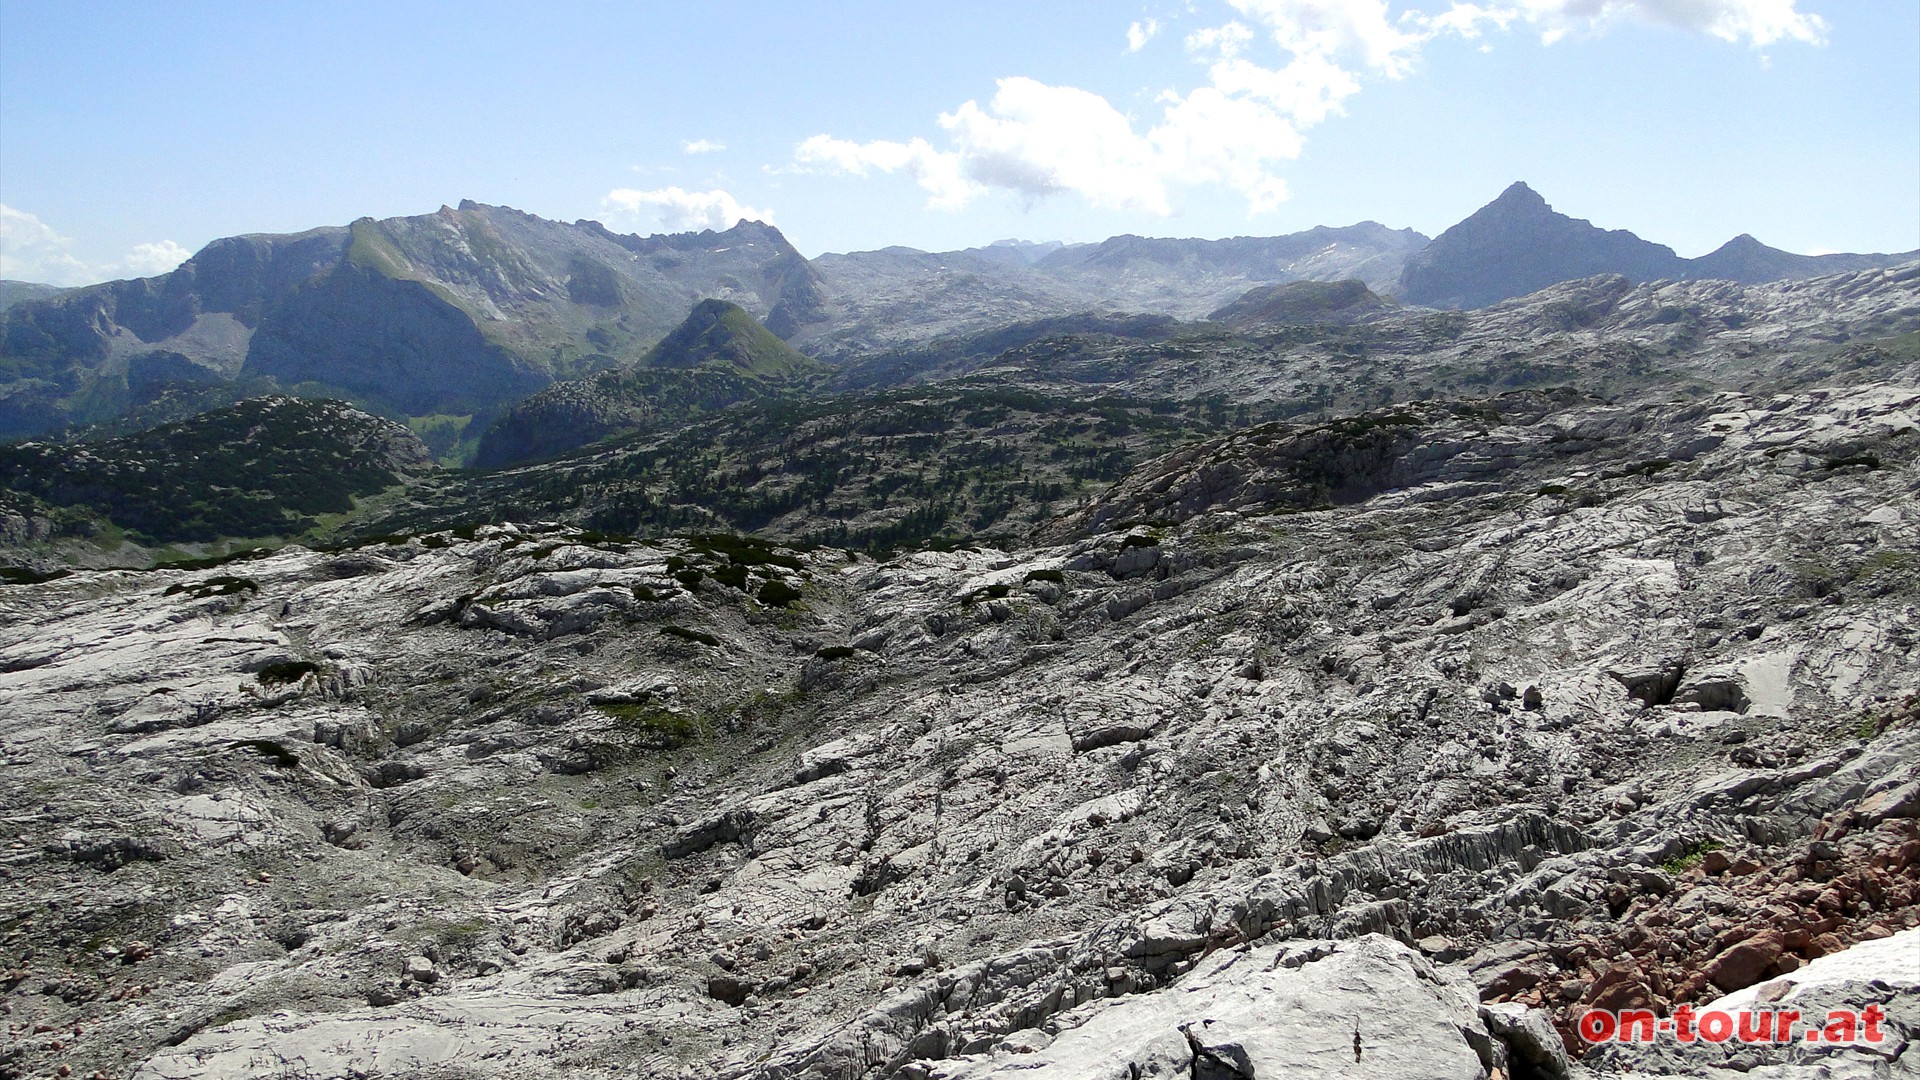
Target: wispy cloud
x=1274, y=68
x=1758, y=23
x=703, y=146
x=937, y=172
x=31, y=250
x=673, y=209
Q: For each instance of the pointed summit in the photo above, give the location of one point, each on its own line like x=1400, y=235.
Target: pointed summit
x=1746, y=259
x=1518, y=244
x=719, y=332
x=1519, y=194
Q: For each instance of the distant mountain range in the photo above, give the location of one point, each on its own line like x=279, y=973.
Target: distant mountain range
x=449, y=319
x=896, y=297
x=1517, y=244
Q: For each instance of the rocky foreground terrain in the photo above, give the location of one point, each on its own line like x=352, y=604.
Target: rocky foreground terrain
x=1384, y=747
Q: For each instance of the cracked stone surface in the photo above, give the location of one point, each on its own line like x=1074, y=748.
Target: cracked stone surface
x=1535, y=724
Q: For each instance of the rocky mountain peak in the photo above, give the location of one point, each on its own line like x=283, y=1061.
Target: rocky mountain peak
x=1519, y=244
x=1745, y=258
x=1518, y=196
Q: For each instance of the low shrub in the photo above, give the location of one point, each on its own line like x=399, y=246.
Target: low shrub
x=1690, y=858
x=285, y=672
x=777, y=593
x=222, y=585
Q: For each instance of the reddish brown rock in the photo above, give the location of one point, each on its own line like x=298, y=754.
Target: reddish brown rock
x=1824, y=944
x=1623, y=986
x=1511, y=981
x=1746, y=962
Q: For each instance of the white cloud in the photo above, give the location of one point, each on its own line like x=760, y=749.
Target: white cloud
x=703, y=146
x=30, y=250
x=940, y=174
x=673, y=209
x=1328, y=28
x=1211, y=135
x=1308, y=89
x=1038, y=139
x=1035, y=140
x=1759, y=23
x=147, y=260
x=1227, y=40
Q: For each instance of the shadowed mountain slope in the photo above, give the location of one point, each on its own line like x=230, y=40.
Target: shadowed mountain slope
x=456, y=312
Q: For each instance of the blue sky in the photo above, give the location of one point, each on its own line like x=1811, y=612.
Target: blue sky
x=133, y=133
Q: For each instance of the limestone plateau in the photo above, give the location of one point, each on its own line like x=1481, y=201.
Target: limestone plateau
x=1296, y=680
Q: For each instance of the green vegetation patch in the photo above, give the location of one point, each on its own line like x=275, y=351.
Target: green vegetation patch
x=874, y=471
x=1689, y=858
x=449, y=437
x=262, y=467
x=745, y=550
x=1883, y=562
x=732, y=575
x=654, y=727
x=1881, y=717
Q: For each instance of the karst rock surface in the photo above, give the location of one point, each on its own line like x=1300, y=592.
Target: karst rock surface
x=1254, y=767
